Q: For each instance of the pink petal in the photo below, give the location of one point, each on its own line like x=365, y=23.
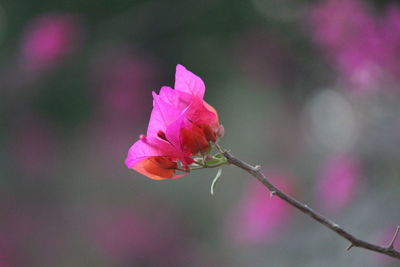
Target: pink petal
x=174, y=110
x=195, y=113
x=150, y=147
x=164, y=111
x=173, y=132
x=186, y=81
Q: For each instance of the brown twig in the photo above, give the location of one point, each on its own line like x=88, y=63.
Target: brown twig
x=354, y=241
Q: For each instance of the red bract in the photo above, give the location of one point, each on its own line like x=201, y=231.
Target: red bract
x=181, y=125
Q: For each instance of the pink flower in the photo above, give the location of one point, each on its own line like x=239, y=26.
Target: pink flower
x=338, y=182
x=48, y=39
x=259, y=218
x=182, y=124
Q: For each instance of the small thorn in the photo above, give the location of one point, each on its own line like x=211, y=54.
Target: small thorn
x=257, y=167
x=220, y=149
x=272, y=193
x=391, y=244
x=336, y=226
x=349, y=247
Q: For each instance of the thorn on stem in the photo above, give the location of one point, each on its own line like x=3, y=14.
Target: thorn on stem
x=271, y=193
x=257, y=167
x=350, y=246
x=391, y=244
x=220, y=149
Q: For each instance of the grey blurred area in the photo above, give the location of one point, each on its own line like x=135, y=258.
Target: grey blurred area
x=309, y=90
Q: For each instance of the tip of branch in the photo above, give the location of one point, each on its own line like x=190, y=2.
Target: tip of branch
x=396, y=233
x=219, y=148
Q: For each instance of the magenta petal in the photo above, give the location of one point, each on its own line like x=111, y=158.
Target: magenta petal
x=169, y=96
x=164, y=112
x=173, y=132
x=186, y=81
x=195, y=113
x=150, y=147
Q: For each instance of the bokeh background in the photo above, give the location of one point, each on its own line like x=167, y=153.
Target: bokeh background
x=310, y=90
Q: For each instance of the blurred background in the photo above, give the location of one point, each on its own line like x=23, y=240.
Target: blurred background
x=310, y=90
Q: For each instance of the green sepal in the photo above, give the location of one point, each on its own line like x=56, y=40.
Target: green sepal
x=213, y=161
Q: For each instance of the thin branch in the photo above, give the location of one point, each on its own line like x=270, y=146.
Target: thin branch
x=354, y=241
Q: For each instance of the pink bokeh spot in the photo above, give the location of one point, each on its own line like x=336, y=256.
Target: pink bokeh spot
x=129, y=234
x=121, y=234
x=259, y=218
x=264, y=57
x=48, y=39
x=122, y=78
x=338, y=182
x=360, y=45
x=338, y=23
x=34, y=145
x=26, y=227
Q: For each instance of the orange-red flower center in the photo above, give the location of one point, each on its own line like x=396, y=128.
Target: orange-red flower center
x=196, y=139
